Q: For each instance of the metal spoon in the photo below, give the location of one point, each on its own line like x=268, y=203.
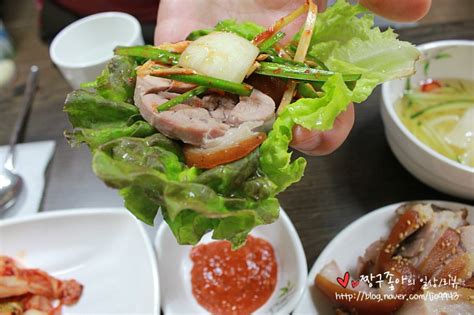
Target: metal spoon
x=10, y=182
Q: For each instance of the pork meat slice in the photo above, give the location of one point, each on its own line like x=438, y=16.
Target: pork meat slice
x=418, y=248
x=461, y=263
x=151, y=84
x=256, y=107
x=237, y=143
x=213, y=101
x=189, y=124
x=366, y=263
x=205, y=118
x=193, y=101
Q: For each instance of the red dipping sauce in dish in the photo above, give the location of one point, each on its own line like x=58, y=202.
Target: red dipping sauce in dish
x=233, y=282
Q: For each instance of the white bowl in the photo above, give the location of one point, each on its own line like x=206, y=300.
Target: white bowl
x=424, y=163
x=81, y=50
x=105, y=249
x=175, y=268
x=351, y=243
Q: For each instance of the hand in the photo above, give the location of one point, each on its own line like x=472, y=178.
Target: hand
x=176, y=19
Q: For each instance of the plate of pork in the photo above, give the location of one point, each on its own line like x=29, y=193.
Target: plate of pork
x=405, y=258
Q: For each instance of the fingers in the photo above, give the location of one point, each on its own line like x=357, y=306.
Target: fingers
x=166, y=31
x=399, y=10
x=323, y=143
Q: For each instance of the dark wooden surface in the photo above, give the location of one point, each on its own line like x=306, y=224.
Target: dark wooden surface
x=337, y=189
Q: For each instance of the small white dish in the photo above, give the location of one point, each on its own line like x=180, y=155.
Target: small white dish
x=175, y=269
x=350, y=244
x=81, y=50
x=426, y=164
x=105, y=249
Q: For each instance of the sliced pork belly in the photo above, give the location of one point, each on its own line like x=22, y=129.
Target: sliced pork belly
x=440, y=305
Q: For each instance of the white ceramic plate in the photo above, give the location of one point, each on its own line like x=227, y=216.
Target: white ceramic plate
x=175, y=268
x=106, y=250
x=351, y=243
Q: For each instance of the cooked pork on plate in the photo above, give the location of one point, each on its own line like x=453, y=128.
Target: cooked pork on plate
x=424, y=266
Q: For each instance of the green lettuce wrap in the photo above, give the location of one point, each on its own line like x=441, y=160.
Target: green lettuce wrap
x=230, y=200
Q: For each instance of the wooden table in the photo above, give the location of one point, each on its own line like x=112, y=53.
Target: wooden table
x=361, y=176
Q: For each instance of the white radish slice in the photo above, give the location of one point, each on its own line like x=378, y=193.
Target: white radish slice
x=462, y=135
x=220, y=55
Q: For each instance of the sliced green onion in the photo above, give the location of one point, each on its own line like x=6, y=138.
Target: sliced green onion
x=306, y=90
x=284, y=61
x=267, y=44
x=210, y=82
x=148, y=52
x=299, y=73
x=182, y=98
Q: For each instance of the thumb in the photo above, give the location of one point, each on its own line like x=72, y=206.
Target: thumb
x=399, y=10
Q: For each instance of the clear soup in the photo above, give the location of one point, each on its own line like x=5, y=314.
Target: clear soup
x=440, y=113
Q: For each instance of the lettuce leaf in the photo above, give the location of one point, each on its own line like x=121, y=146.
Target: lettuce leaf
x=98, y=120
x=346, y=41
x=117, y=80
x=94, y=137
x=148, y=173
x=311, y=113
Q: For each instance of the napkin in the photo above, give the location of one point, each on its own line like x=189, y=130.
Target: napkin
x=31, y=160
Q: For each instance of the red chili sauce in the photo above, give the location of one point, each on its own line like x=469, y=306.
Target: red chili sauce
x=233, y=282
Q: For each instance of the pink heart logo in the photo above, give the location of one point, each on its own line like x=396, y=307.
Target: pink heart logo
x=343, y=282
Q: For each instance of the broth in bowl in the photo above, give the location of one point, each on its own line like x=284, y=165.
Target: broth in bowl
x=440, y=113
